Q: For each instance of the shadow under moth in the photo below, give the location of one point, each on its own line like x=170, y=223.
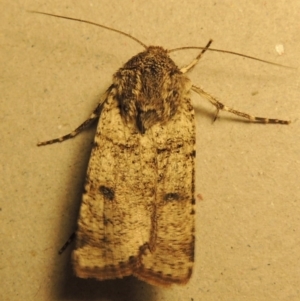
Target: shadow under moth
x=137, y=211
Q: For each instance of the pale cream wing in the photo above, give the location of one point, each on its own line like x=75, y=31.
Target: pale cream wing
x=170, y=256
x=115, y=214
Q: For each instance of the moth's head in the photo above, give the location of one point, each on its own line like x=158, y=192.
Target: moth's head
x=149, y=88
x=153, y=59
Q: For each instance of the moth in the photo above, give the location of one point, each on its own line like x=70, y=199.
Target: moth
x=137, y=211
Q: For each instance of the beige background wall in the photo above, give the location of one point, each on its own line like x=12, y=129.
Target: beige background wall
x=52, y=73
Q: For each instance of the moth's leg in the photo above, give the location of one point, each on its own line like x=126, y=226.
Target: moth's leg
x=94, y=116
x=67, y=243
x=196, y=60
x=222, y=107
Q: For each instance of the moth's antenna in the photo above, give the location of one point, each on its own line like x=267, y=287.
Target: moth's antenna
x=231, y=52
x=92, y=23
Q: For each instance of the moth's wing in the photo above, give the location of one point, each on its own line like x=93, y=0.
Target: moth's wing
x=170, y=256
x=136, y=216
x=115, y=214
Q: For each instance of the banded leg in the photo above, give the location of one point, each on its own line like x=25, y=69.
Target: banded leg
x=94, y=116
x=196, y=60
x=222, y=107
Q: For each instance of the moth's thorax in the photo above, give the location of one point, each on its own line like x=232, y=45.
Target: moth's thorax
x=149, y=88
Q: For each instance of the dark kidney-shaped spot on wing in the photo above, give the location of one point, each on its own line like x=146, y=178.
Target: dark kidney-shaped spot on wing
x=108, y=193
